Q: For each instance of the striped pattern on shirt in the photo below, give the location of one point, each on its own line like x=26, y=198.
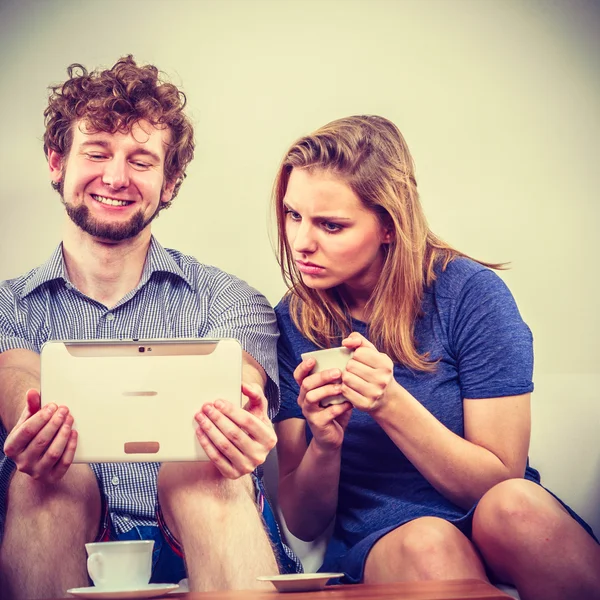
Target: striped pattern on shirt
x=177, y=297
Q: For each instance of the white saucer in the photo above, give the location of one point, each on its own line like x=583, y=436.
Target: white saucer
x=148, y=591
x=300, y=582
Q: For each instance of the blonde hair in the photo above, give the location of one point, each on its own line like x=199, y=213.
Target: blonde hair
x=371, y=156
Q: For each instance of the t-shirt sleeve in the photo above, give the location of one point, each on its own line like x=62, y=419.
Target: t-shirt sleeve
x=240, y=312
x=492, y=344
x=288, y=361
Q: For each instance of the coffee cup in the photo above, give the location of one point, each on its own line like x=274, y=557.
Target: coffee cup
x=120, y=566
x=330, y=358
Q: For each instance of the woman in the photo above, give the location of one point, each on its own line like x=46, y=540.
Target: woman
x=424, y=468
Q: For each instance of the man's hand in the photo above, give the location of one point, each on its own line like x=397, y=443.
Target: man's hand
x=42, y=443
x=237, y=440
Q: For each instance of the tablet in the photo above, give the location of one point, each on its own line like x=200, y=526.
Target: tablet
x=135, y=401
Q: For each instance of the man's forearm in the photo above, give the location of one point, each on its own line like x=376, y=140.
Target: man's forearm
x=252, y=372
x=19, y=372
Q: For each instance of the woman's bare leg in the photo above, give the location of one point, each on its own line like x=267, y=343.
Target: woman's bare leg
x=530, y=541
x=426, y=548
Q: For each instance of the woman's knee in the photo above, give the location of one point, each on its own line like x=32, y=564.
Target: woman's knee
x=515, y=510
x=427, y=548
x=427, y=537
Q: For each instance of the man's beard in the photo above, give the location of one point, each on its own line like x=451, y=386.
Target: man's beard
x=114, y=232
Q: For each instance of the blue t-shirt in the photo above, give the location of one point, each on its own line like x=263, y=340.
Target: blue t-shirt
x=471, y=325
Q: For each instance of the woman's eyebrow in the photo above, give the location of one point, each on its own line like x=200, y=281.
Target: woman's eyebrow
x=323, y=217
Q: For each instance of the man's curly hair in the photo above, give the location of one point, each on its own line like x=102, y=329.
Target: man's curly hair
x=113, y=101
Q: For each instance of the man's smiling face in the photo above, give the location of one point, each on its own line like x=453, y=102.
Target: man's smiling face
x=112, y=184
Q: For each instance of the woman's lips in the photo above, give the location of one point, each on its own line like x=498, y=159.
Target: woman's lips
x=309, y=268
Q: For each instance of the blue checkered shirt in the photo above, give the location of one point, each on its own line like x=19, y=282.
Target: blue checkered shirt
x=177, y=297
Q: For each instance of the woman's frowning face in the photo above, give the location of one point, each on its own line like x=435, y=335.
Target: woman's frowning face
x=334, y=239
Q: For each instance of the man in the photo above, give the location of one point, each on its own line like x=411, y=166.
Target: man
x=118, y=143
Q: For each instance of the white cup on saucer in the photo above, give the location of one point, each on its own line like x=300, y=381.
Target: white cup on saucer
x=120, y=566
x=330, y=358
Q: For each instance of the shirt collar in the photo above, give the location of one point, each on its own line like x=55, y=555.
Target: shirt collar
x=158, y=259
x=53, y=268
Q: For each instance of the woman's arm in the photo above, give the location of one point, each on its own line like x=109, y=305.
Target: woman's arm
x=495, y=446
x=308, y=480
x=309, y=475
x=496, y=438
x=489, y=345
x=462, y=469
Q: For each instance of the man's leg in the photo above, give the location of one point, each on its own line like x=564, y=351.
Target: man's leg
x=42, y=553
x=218, y=524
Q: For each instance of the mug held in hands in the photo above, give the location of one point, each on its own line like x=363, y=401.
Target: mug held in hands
x=330, y=358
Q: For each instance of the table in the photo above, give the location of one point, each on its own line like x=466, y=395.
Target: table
x=455, y=589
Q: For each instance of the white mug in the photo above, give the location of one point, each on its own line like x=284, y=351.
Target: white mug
x=330, y=358
x=120, y=566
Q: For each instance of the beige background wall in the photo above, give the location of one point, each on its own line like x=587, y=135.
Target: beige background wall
x=498, y=99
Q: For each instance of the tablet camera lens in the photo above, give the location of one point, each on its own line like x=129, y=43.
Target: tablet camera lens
x=141, y=349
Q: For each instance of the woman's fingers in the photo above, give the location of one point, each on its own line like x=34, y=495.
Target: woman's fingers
x=356, y=340
x=313, y=398
x=303, y=369
x=314, y=382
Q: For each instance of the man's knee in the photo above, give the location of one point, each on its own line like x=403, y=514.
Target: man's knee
x=201, y=488
x=74, y=501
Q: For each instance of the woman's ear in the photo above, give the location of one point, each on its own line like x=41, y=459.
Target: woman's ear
x=55, y=164
x=387, y=230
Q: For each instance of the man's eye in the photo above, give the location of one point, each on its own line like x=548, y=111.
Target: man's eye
x=95, y=156
x=140, y=165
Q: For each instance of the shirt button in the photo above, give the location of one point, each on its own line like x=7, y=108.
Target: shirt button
x=115, y=480
x=110, y=317
x=126, y=518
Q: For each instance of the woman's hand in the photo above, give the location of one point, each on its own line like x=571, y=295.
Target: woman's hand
x=368, y=381
x=327, y=424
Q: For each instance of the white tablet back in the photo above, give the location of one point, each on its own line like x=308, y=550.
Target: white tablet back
x=135, y=401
